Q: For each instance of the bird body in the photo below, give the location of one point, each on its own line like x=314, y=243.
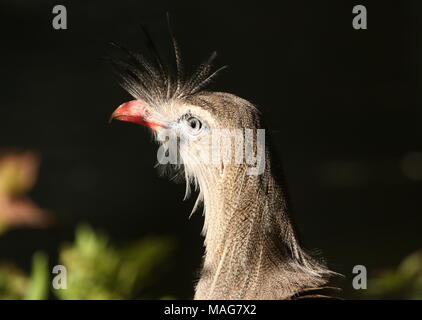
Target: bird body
x=251, y=250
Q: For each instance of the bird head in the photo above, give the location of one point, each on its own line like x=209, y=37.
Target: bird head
x=185, y=119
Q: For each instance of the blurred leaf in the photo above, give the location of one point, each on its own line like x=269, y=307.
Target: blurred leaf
x=13, y=282
x=39, y=280
x=18, y=173
x=405, y=282
x=139, y=261
x=97, y=270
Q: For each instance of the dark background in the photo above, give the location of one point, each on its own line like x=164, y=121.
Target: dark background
x=344, y=106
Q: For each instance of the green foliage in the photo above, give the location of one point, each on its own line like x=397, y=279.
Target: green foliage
x=96, y=270
x=405, y=282
x=13, y=282
x=39, y=280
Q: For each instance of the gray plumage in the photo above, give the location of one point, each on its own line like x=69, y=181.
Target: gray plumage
x=251, y=250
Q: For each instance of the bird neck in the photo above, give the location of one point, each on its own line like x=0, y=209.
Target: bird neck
x=233, y=209
x=250, y=247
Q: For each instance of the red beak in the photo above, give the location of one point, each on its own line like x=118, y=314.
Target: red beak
x=134, y=111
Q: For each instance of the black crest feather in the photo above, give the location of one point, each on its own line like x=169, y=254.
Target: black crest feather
x=154, y=81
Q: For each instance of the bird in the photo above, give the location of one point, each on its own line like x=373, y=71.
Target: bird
x=252, y=250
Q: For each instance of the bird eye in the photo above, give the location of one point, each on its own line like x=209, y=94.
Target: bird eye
x=194, y=124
